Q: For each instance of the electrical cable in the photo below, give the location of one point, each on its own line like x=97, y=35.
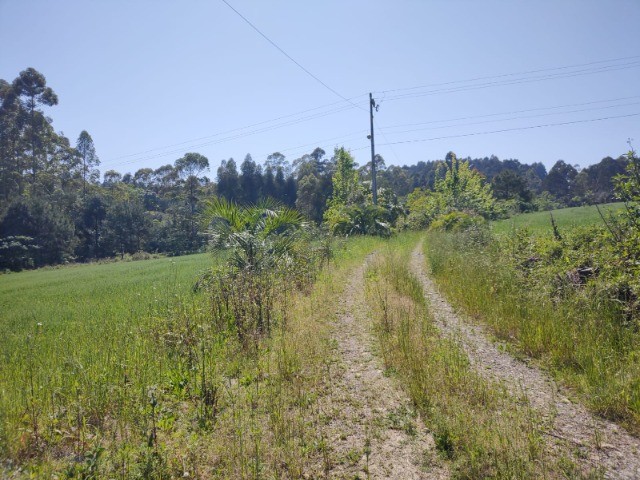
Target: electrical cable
x=287, y=55
x=233, y=137
x=511, y=74
x=512, y=82
x=509, y=130
x=234, y=129
x=513, y=112
x=514, y=118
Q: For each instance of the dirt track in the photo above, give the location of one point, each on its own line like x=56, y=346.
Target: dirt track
x=373, y=427
x=597, y=442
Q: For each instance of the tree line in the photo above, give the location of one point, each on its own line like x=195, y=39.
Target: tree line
x=55, y=207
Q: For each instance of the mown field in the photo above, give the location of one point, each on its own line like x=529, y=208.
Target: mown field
x=540, y=222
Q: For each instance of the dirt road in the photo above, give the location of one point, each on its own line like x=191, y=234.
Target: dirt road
x=373, y=431
x=597, y=443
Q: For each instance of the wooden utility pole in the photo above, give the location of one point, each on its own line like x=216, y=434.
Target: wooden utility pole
x=374, y=186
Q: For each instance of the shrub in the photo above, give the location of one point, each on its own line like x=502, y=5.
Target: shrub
x=457, y=222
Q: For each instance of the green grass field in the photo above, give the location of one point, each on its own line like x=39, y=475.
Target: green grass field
x=82, y=295
x=118, y=371
x=71, y=332
x=540, y=222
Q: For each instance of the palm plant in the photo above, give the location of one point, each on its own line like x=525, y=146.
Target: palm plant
x=259, y=236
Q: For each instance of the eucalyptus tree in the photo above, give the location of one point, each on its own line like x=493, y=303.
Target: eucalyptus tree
x=228, y=180
x=189, y=168
x=87, y=152
x=32, y=92
x=250, y=181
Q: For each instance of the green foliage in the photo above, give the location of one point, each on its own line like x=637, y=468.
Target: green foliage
x=17, y=252
x=346, y=187
x=359, y=220
x=456, y=222
x=258, y=236
x=461, y=189
x=350, y=212
x=560, y=182
x=545, y=201
x=87, y=152
x=569, y=300
x=51, y=233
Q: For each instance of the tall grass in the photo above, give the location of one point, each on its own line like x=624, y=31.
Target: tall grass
x=580, y=338
x=482, y=429
x=70, y=338
x=143, y=382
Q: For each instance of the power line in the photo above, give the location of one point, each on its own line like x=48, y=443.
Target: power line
x=286, y=54
x=235, y=137
x=237, y=129
x=141, y=156
x=319, y=142
x=509, y=130
x=511, y=74
x=380, y=130
x=515, y=118
x=465, y=88
x=513, y=112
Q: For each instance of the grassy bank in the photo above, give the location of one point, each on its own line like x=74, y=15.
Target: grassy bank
x=483, y=430
x=577, y=332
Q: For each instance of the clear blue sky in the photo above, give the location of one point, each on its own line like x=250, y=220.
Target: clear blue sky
x=151, y=80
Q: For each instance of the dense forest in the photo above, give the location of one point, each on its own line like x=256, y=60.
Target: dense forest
x=56, y=207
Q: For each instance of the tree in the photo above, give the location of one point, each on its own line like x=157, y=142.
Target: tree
x=277, y=160
x=595, y=184
x=191, y=164
x=269, y=184
x=127, y=225
x=32, y=91
x=111, y=177
x=143, y=178
x=11, y=128
x=49, y=231
x=346, y=187
x=228, y=180
x=90, y=160
x=90, y=226
x=165, y=178
x=458, y=188
x=508, y=185
x=189, y=167
x=310, y=199
x=463, y=189
x=250, y=181
x=560, y=181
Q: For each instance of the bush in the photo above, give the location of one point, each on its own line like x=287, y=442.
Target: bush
x=457, y=222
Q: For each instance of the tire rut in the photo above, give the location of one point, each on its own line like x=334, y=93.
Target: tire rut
x=373, y=431
x=596, y=442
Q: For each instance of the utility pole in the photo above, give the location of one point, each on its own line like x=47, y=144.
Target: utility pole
x=374, y=186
